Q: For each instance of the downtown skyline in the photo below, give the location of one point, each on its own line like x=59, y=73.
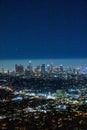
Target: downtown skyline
x=9, y=64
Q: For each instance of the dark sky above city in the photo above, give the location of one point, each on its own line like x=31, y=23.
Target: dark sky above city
x=43, y=29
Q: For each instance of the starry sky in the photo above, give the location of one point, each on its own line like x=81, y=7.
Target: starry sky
x=43, y=29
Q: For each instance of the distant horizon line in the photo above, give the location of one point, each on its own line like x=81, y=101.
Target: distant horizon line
x=74, y=62
x=42, y=58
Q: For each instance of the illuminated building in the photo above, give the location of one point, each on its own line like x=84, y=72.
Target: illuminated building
x=3, y=71
x=51, y=67
x=37, y=69
x=43, y=68
x=48, y=68
x=30, y=68
x=84, y=70
x=19, y=68
x=74, y=70
x=69, y=69
x=61, y=68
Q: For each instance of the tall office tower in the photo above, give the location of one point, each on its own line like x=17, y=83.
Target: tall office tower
x=37, y=69
x=56, y=69
x=48, y=68
x=69, y=69
x=3, y=71
x=43, y=69
x=51, y=65
x=61, y=68
x=78, y=70
x=74, y=70
x=19, y=68
x=30, y=68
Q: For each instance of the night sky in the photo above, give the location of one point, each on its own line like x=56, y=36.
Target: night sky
x=43, y=29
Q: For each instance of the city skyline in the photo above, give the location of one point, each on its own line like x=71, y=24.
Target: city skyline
x=74, y=63
x=43, y=29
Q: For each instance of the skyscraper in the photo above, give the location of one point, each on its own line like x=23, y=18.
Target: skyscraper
x=30, y=68
x=61, y=68
x=43, y=69
x=19, y=68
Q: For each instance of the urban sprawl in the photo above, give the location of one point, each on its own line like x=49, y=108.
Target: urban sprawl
x=45, y=97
